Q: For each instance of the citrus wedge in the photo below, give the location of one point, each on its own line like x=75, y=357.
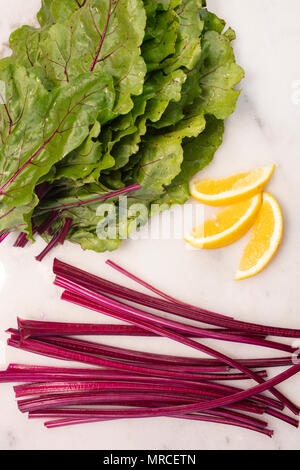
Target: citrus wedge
x=227, y=226
x=264, y=240
x=224, y=191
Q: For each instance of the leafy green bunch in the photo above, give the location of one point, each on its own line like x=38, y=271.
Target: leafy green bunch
x=106, y=94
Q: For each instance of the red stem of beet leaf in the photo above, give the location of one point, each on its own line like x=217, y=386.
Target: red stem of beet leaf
x=261, y=329
x=68, y=422
x=8, y=230
x=114, y=413
x=208, y=373
x=103, y=35
x=222, y=413
x=137, y=398
x=21, y=241
x=108, y=195
x=98, y=284
x=41, y=191
x=127, y=353
x=43, y=348
x=192, y=331
x=137, y=317
x=121, y=383
x=28, y=328
x=56, y=388
x=62, y=353
x=3, y=188
x=80, y=5
x=44, y=227
x=171, y=325
x=43, y=146
x=115, y=398
x=4, y=236
x=49, y=247
x=78, y=413
x=61, y=235
x=133, y=394
x=100, y=375
x=36, y=374
x=91, y=281
x=142, y=384
x=64, y=232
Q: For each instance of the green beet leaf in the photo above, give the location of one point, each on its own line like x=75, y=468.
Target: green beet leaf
x=105, y=94
x=39, y=128
x=102, y=35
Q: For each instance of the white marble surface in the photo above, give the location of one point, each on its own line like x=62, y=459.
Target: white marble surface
x=265, y=128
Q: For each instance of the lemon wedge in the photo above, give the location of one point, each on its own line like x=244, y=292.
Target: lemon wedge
x=227, y=226
x=224, y=191
x=264, y=240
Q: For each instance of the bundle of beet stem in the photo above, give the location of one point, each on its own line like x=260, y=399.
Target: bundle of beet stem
x=120, y=383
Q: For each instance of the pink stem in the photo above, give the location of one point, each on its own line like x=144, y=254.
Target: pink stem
x=102, y=38
x=65, y=230
x=49, y=247
x=69, y=422
x=4, y=236
x=170, y=324
x=126, y=313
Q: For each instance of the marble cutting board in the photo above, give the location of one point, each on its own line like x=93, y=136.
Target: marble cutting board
x=265, y=128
